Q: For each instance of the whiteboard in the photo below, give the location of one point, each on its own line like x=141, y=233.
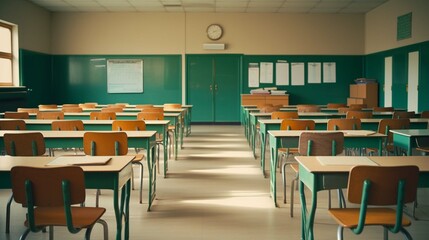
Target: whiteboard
x=124, y=76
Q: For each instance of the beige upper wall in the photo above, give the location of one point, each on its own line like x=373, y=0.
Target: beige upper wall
x=34, y=24
x=380, y=24
x=178, y=33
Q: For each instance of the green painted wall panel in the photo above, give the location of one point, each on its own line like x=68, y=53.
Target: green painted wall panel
x=348, y=68
x=83, y=78
x=374, y=68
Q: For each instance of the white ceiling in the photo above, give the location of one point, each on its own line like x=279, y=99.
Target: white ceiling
x=219, y=6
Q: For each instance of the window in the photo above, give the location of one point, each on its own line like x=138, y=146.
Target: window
x=8, y=55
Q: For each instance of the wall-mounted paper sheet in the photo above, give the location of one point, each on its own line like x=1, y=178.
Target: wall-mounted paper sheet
x=253, y=75
x=266, y=72
x=314, y=72
x=297, y=74
x=282, y=74
x=329, y=72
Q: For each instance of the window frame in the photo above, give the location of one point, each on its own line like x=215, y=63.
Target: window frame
x=12, y=56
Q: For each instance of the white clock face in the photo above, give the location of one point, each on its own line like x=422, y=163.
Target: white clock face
x=214, y=32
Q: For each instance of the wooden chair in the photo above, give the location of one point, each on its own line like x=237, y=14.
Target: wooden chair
x=22, y=144
x=308, y=108
x=358, y=106
x=422, y=144
x=102, y=116
x=172, y=106
x=291, y=124
x=153, y=109
x=142, y=106
x=384, y=127
x=403, y=114
x=382, y=187
x=261, y=105
x=47, y=106
x=269, y=109
x=343, y=109
x=49, y=193
x=105, y=144
x=336, y=105
x=424, y=114
x=66, y=125
x=88, y=105
x=70, y=105
x=172, y=128
x=383, y=109
x=133, y=125
x=50, y=115
x=28, y=110
x=72, y=109
x=346, y=124
x=17, y=115
x=112, y=109
x=284, y=115
x=358, y=114
x=317, y=144
x=12, y=125
x=159, y=138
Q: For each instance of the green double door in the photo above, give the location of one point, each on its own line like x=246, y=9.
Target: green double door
x=213, y=87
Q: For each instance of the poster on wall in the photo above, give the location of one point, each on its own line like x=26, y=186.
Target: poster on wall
x=124, y=76
x=282, y=74
x=329, y=72
x=266, y=72
x=297, y=74
x=253, y=75
x=314, y=72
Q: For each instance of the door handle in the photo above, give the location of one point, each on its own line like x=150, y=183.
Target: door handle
x=211, y=88
x=216, y=87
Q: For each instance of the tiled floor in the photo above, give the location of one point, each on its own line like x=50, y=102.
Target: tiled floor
x=215, y=190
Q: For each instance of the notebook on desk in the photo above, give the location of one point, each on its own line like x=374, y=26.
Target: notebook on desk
x=345, y=160
x=79, y=160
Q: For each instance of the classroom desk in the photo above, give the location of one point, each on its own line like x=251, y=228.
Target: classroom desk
x=173, y=117
x=318, y=177
x=160, y=126
x=266, y=125
x=290, y=139
x=74, y=139
x=406, y=138
x=115, y=175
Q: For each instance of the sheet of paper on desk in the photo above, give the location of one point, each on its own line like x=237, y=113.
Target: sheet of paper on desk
x=359, y=132
x=345, y=160
x=79, y=160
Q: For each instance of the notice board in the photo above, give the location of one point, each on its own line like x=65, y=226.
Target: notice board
x=125, y=76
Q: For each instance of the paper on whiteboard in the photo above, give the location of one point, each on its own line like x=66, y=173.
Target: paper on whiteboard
x=282, y=74
x=297, y=74
x=266, y=72
x=253, y=75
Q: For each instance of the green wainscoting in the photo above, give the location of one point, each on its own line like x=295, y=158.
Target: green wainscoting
x=348, y=68
x=374, y=68
x=83, y=78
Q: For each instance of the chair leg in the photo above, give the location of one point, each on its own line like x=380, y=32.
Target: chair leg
x=97, y=197
x=9, y=203
x=340, y=233
x=25, y=234
x=157, y=159
x=284, y=181
x=51, y=232
x=141, y=181
x=406, y=234
x=105, y=230
x=385, y=233
x=292, y=190
x=132, y=179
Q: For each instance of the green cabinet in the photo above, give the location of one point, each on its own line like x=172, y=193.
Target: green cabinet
x=213, y=87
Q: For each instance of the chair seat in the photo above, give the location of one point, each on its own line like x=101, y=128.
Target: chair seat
x=83, y=217
x=348, y=217
x=423, y=149
x=138, y=158
x=295, y=167
x=285, y=150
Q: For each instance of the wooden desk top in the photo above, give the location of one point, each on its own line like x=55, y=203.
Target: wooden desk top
x=78, y=134
x=347, y=133
x=311, y=164
x=94, y=122
x=116, y=164
x=412, y=132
